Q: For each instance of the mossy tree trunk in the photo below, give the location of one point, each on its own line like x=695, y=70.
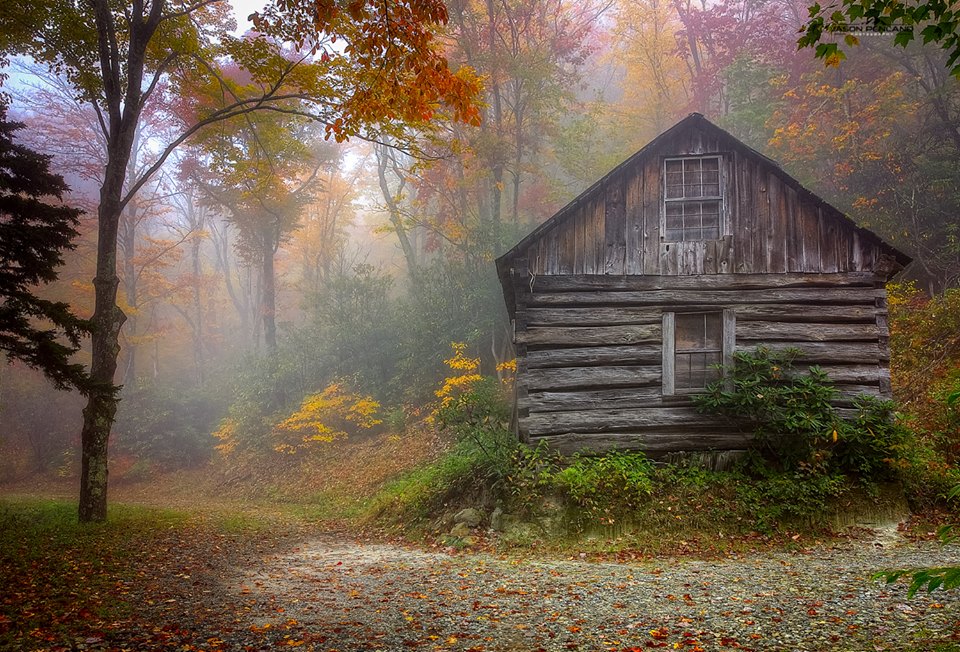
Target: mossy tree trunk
x=122, y=72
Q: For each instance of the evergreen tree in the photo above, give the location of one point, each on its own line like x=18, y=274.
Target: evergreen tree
x=34, y=233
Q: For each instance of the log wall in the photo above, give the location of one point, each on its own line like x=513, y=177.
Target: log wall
x=590, y=352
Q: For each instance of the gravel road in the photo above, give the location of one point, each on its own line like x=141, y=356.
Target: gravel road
x=330, y=594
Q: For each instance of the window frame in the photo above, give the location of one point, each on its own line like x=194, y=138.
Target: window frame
x=727, y=339
x=720, y=198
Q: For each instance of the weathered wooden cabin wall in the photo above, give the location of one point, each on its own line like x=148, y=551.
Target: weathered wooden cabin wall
x=590, y=292
x=590, y=357
x=772, y=226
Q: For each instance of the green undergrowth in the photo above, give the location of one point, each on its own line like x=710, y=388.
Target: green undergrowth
x=622, y=500
x=814, y=470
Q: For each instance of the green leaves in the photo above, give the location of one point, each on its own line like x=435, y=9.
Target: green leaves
x=606, y=487
x=936, y=19
x=793, y=414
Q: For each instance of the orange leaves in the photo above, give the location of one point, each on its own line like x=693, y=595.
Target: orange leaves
x=660, y=633
x=226, y=433
x=391, y=67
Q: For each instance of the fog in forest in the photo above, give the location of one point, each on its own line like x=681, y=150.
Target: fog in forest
x=284, y=291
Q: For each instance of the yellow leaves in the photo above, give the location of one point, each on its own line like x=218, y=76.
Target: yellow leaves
x=324, y=417
x=226, y=433
x=460, y=383
x=508, y=366
x=454, y=386
x=467, y=375
x=459, y=361
x=363, y=412
x=507, y=371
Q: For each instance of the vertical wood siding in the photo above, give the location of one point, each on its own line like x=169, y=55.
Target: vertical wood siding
x=769, y=227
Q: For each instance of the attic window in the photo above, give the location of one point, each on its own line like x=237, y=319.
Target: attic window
x=692, y=198
x=695, y=345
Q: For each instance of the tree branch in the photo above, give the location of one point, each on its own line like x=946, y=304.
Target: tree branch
x=189, y=9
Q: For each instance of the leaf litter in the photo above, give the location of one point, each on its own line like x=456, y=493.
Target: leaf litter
x=290, y=587
x=331, y=593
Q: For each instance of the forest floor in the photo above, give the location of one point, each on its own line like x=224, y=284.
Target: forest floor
x=165, y=580
x=241, y=558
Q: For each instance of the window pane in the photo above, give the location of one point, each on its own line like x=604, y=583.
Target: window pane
x=689, y=329
x=682, y=371
x=674, y=184
x=674, y=214
x=710, y=177
x=710, y=214
x=698, y=349
x=712, y=365
x=692, y=199
x=692, y=178
x=711, y=183
x=712, y=331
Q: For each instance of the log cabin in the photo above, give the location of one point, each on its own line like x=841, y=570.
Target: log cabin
x=630, y=299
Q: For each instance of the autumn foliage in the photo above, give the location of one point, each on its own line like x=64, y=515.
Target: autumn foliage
x=331, y=414
x=466, y=375
x=390, y=54
x=925, y=364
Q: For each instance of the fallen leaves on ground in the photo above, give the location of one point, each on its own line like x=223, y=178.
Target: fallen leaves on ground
x=155, y=584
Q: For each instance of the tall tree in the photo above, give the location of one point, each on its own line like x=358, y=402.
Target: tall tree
x=264, y=174
x=116, y=56
x=322, y=232
x=656, y=88
x=34, y=233
x=393, y=179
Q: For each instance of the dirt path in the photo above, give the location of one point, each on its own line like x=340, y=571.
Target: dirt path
x=332, y=594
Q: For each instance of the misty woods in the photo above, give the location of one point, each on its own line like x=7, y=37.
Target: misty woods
x=270, y=268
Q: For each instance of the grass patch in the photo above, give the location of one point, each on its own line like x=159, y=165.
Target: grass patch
x=63, y=579
x=426, y=491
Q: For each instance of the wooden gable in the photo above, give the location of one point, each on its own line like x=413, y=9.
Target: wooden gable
x=771, y=224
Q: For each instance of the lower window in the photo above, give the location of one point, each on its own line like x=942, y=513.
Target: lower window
x=698, y=349
x=695, y=347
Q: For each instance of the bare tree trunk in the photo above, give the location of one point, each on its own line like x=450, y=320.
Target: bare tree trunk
x=497, y=163
x=239, y=299
x=269, y=292
x=107, y=320
x=198, y=356
x=385, y=158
